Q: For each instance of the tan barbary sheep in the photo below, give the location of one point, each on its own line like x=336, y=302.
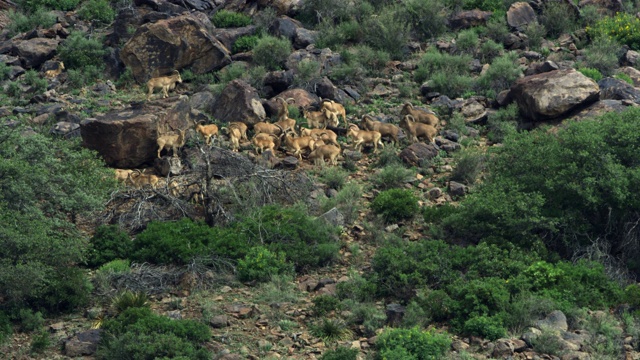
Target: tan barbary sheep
x=320, y=119
x=140, y=180
x=385, y=129
x=207, y=132
x=264, y=141
x=297, y=144
x=287, y=124
x=54, y=72
x=364, y=137
x=322, y=152
x=283, y=111
x=165, y=83
x=334, y=108
x=326, y=135
x=122, y=174
x=173, y=141
x=235, y=134
x=240, y=126
x=417, y=130
x=267, y=128
x=421, y=116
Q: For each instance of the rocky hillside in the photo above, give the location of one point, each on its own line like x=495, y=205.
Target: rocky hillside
x=497, y=221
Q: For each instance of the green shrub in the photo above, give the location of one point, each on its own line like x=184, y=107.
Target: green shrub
x=129, y=299
x=171, y=242
x=387, y=32
x=333, y=177
x=468, y=167
x=330, y=330
x=427, y=17
x=536, y=33
x=372, y=60
x=324, y=304
x=602, y=54
x=40, y=342
x=260, y=264
x=347, y=200
x=423, y=345
x=332, y=35
x=502, y=73
x=245, y=43
x=29, y=320
x=78, y=52
x=97, y=10
x=137, y=333
x=271, y=52
x=489, y=50
x=117, y=266
x=5, y=327
x=340, y=353
x=357, y=288
x=366, y=314
x=467, y=41
x=526, y=308
x=496, y=29
x=229, y=19
x=502, y=123
x=33, y=79
x=623, y=27
x=592, y=73
x=452, y=85
x=433, y=62
x=78, y=78
x=624, y=77
x=548, y=343
x=558, y=18
x=21, y=22
x=107, y=244
x=306, y=71
x=5, y=71
x=479, y=296
x=487, y=327
x=395, y=205
x=31, y=6
x=632, y=295
x=392, y=176
x=68, y=290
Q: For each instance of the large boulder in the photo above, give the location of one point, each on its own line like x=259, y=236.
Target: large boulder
x=469, y=18
x=179, y=42
x=633, y=73
x=228, y=36
x=283, y=7
x=83, y=344
x=302, y=97
x=128, y=138
x=552, y=94
x=294, y=31
x=616, y=89
x=610, y=6
x=417, y=154
x=520, y=15
x=34, y=52
x=239, y=101
x=600, y=108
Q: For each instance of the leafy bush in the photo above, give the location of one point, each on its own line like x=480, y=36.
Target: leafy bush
x=271, y=52
x=107, y=244
x=527, y=198
x=623, y=27
x=245, y=43
x=427, y=17
x=526, y=308
x=330, y=330
x=333, y=177
x=324, y=304
x=486, y=327
x=535, y=32
x=31, y=6
x=78, y=52
x=21, y=22
x=592, y=73
x=387, y=32
x=624, y=77
x=468, y=167
x=602, y=55
x=260, y=264
x=356, y=288
x=502, y=123
x=489, y=50
x=467, y=41
x=40, y=341
x=347, y=200
x=129, y=299
x=229, y=19
x=392, y=176
x=137, y=333
x=29, y=320
x=417, y=343
x=433, y=62
x=5, y=327
x=548, y=343
x=332, y=35
x=117, y=266
x=496, y=29
x=78, y=78
x=395, y=205
x=503, y=71
x=558, y=18
x=97, y=10
x=366, y=314
x=66, y=291
x=340, y=353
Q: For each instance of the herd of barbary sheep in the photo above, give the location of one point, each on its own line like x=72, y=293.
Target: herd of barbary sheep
x=318, y=141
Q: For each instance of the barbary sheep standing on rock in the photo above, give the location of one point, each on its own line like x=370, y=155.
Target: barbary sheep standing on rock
x=163, y=82
x=420, y=115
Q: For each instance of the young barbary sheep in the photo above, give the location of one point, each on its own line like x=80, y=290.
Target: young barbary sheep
x=140, y=180
x=322, y=152
x=326, y=135
x=421, y=116
x=122, y=174
x=207, y=132
x=164, y=82
x=417, y=130
x=385, y=129
x=334, y=108
x=264, y=141
x=173, y=141
x=364, y=137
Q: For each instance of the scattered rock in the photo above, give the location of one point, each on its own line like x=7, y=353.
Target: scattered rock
x=219, y=321
x=520, y=15
x=418, y=153
x=556, y=320
x=457, y=189
x=333, y=217
x=503, y=348
x=616, y=89
x=239, y=100
x=83, y=344
x=395, y=313
x=469, y=18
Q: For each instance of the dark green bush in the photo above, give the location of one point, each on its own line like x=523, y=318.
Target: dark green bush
x=324, y=304
x=434, y=62
x=502, y=73
x=260, y=264
x=467, y=42
x=489, y=50
x=271, y=52
x=109, y=243
x=388, y=32
x=417, y=343
x=78, y=51
x=245, y=43
x=137, y=333
x=31, y=6
x=97, y=10
x=78, y=78
x=558, y=18
x=340, y=353
x=427, y=17
x=502, y=123
x=29, y=320
x=395, y=205
x=468, y=167
x=392, y=176
x=332, y=35
x=229, y=19
x=5, y=327
x=331, y=11
x=479, y=296
x=333, y=177
x=357, y=288
x=602, y=54
x=486, y=327
x=21, y=22
x=67, y=290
